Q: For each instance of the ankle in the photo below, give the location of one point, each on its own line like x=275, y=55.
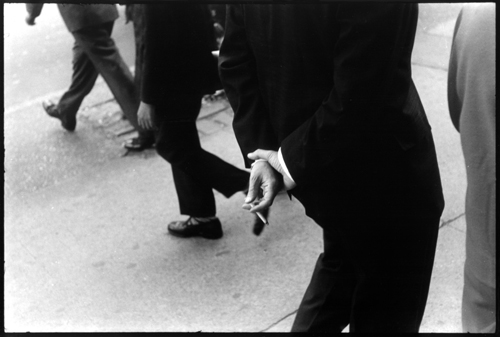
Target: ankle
x=204, y=219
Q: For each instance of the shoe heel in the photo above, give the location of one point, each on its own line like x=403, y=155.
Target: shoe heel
x=212, y=231
x=211, y=235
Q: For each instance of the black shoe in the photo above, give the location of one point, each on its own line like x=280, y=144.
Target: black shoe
x=258, y=224
x=139, y=143
x=210, y=230
x=67, y=122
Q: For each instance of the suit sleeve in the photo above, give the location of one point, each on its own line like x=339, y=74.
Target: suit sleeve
x=372, y=78
x=237, y=69
x=34, y=9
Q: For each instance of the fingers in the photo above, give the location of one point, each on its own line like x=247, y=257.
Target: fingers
x=259, y=154
x=264, y=203
x=145, y=116
x=264, y=185
x=145, y=123
x=270, y=156
x=253, y=188
x=142, y=124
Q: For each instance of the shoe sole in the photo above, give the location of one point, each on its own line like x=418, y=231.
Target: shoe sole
x=202, y=235
x=138, y=149
x=67, y=125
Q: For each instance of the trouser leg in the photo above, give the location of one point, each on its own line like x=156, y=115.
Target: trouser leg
x=195, y=198
x=100, y=48
x=389, y=250
x=370, y=283
x=393, y=281
x=82, y=81
x=196, y=171
x=326, y=305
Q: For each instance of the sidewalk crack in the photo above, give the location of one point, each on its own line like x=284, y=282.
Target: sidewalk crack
x=419, y=64
x=280, y=320
x=98, y=104
x=447, y=222
x=212, y=113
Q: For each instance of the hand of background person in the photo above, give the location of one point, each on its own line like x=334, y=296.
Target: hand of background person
x=34, y=10
x=265, y=183
x=272, y=158
x=30, y=20
x=145, y=116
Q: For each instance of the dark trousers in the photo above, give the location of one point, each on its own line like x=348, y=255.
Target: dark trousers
x=195, y=171
x=383, y=291
x=94, y=53
x=375, y=272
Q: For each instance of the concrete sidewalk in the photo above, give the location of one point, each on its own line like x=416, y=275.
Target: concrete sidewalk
x=91, y=252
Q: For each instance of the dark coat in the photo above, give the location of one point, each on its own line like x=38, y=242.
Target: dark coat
x=178, y=58
x=331, y=85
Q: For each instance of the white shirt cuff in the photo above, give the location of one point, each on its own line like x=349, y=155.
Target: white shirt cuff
x=283, y=165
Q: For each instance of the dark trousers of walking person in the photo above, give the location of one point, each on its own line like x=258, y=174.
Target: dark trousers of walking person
x=375, y=271
x=94, y=53
x=196, y=172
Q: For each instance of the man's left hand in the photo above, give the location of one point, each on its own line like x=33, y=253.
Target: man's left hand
x=272, y=158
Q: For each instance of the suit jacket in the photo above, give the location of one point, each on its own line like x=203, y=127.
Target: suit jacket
x=331, y=85
x=177, y=52
x=78, y=16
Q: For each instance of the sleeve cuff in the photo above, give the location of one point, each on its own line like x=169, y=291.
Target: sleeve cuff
x=283, y=165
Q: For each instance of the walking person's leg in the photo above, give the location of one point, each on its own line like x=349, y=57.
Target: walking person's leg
x=82, y=82
x=326, y=305
x=383, y=256
x=100, y=48
x=196, y=171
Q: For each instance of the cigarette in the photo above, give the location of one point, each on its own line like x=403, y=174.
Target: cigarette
x=264, y=220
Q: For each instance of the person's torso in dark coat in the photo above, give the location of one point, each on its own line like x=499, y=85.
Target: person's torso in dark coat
x=177, y=51
x=301, y=63
x=331, y=85
x=78, y=16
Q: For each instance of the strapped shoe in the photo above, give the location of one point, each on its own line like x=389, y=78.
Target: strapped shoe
x=67, y=122
x=210, y=229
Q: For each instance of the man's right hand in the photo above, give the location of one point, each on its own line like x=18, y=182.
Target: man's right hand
x=265, y=183
x=145, y=116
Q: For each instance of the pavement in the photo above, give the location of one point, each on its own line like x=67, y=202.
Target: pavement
x=87, y=248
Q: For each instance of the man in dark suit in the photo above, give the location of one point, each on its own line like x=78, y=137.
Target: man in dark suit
x=325, y=105
x=94, y=53
x=178, y=69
